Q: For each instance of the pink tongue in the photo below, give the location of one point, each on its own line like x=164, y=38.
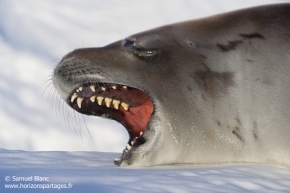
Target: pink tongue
x=137, y=118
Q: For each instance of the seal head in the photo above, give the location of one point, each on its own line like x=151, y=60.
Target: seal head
x=193, y=92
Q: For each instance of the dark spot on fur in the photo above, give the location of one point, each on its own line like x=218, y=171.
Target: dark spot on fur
x=255, y=135
x=203, y=97
x=252, y=35
x=264, y=81
x=198, y=111
x=248, y=60
x=230, y=46
x=218, y=123
x=213, y=83
x=177, y=43
x=191, y=44
x=239, y=121
x=238, y=135
x=255, y=130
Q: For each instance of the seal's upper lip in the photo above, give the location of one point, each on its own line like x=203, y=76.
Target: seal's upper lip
x=129, y=106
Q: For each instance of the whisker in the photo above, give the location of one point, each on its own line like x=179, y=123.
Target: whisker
x=68, y=118
x=87, y=129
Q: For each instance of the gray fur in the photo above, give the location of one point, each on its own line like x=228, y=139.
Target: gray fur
x=220, y=87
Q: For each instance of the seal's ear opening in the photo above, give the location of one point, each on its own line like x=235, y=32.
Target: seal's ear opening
x=129, y=106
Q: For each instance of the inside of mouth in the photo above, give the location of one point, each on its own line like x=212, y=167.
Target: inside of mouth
x=129, y=106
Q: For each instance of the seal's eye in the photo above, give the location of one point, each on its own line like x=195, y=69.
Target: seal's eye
x=145, y=53
x=141, y=52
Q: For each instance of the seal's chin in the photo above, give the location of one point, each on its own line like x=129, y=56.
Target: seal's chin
x=129, y=106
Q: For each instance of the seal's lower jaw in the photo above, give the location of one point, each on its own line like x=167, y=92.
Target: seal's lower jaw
x=129, y=106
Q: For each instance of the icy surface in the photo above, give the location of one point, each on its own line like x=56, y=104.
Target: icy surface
x=95, y=172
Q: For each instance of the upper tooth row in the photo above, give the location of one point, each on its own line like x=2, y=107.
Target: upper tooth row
x=100, y=99
x=93, y=88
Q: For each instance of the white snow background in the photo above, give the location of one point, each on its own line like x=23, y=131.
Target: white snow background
x=34, y=35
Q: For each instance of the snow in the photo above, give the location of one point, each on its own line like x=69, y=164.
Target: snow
x=95, y=172
x=34, y=35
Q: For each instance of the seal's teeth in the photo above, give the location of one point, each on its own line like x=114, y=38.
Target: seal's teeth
x=108, y=102
x=79, y=102
x=125, y=106
x=117, y=159
x=73, y=97
x=114, y=87
x=129, y=146
x=141, y=133
x=93, y=88
x=132, y=142
x=80, y=88
x=103, y=88
x=125, y=87
x=116, y=104
x=100, y=100
x=93, y=98
x=77, y=90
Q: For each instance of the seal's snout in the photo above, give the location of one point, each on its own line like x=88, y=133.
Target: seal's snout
x=79, y=81
x=59, y=81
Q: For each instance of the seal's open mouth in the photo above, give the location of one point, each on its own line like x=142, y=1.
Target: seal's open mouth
x=129, y=106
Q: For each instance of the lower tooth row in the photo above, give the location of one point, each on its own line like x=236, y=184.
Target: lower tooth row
x=128, y=146
x=100, y=99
